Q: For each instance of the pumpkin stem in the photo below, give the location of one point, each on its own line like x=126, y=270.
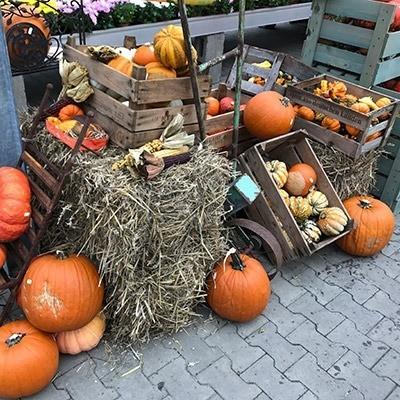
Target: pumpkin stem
x=365, y=204
x=14, y=339
x=237, y=263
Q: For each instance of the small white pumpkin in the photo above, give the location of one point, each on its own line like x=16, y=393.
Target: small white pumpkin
x=332, y=221
x=318, y=201
x=278, y=171
x=300, y=207
x=310, y=231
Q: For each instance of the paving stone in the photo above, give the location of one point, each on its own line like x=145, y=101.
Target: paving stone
x=68, y=362
x=80, y=382
x=179, y=383
x=247, y=328
x=389, y=366
x=392, y=250
x=318, y=264
x=320, y=289
x=283, y=352
x=389, y=265
x=319, y=381
x=387, y=332
x=314, y=311
x=50, y=393
x=271, y=381
x=197, y=354
x=363, y=318
x=326, y=352
x=262, y=396
x=382, y=303
x=334, y=255
x=294, y=268
x=395, y=395
x=238, y=350
x=286, y=292
x=308, y=396
x=209, y=326
x=368, y=350
x=226, y=382
x=282, y=317
x=350, y=369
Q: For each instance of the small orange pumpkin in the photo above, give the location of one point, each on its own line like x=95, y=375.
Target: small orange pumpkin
x=156, y=70
x=360, y=107
x=331, y=124
x=353, y=132
x=306, y=113
x=122, y=64
x=144, y=55
x=374, y=224
x=337, y=90
x=3, y=255
x=374, y=136
x=301, y=178
x=69, y=112
x=213, y=105
x=238, y=290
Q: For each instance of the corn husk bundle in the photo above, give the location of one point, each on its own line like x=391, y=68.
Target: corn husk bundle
x=154, y=241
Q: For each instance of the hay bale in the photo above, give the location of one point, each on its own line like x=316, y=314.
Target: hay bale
x=154, y=241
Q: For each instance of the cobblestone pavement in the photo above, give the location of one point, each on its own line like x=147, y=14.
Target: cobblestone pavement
x=331, y=331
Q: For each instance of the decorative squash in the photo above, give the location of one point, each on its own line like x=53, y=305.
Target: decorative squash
x=122, y=64
x=269, y=114
x=300, y=207
x=337, y=90
x=69, y=112
x=213, y=105
x=353, y=132
x=29, y=360
x=169, y=47
x=301, y=178
x=361, y=107
x=285, y=196
x=238, y=290
x=144, y=55
x=348, y=100
x=374, y=224
x=332, y=221
x=278, y=171
x=383, y=102
x=156, y=70
x=3, y=255
x=15, y=204
x=310, y=231
x=318, y=201
x=306, y=113
x=83, y=339
x=61, y=293
x=319, y=117
x=331, y=123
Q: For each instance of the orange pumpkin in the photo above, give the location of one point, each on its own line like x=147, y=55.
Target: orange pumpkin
x=122, y=64
x=83, y=339
x=269, y=114
x=156, y=70
x=301, y=178
x=238, y=291
x=353, y=132
x=331, y=124
x=374, y=224
x=337, y=90
x=360, y=107
x=3, y=255
x=306, y=113
x=296, y=108
x=374, y=136
x=28, y=360
x=144, y=55
x=213, y=105
x=69, y=112
x=60, y=293
x=15, y=204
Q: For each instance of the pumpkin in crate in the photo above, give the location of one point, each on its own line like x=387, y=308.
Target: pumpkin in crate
x=306, y=113
x=332, y=221
x=15, y=204
x=156, y=70
x=285, y=196
x=383, y=102
x=310, y=231
x=238, y=288
x=144, y=55
x=301, y=179
x=300, y=208
x=122, y=64
x=337, y=90
x=269, y=114
x=69, y=112
x=213, y=106
x=3, y=255
x=61, y=293
x=352, y=131
x=361, y=107
x=226, y=104
x=331, y=124
x=318, y=202
x=83, y=339
x=28, y=360
x=278, y=171
x=374, y=224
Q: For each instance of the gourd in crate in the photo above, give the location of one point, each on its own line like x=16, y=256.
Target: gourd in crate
x=318, y=202
x=310, y=231
x=332, y=221
x=301, y=178
x=278, y=171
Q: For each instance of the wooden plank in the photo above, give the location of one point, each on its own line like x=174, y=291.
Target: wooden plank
x=254, y=70
x=37, y=217
x=359, y=9
x=223, y=139
x=251, y=88
x=274, y=72
x=387, y=70
x=42, y=197
x=296, y=68
x=392, y=185
x=392, y=46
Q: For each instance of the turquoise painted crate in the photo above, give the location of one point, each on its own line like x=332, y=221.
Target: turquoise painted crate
x=336, y=46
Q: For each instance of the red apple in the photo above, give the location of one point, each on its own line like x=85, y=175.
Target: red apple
x=226, y=104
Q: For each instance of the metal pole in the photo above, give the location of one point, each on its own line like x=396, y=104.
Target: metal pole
x=193, y=72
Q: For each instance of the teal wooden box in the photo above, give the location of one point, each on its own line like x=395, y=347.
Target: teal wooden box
x=329, y=37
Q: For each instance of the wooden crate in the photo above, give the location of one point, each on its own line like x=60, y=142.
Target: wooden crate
x=302, y=93
x=147, y=114
x=269, y=209
x=280, y=62
x=327, y=45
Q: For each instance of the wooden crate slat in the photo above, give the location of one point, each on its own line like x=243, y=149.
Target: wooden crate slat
x=37, y=217
x=43, y=198
x=293, y=66
x=388, y=69
x=392, y=44
x=367, y=10
x=392, y=186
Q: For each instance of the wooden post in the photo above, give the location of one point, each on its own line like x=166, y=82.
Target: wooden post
x=214, y=47
x=10, y=143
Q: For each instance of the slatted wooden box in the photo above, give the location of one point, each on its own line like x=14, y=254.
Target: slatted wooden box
x=280, y=62
x=269, y=209
x=358, y=54
x=302, y=93
x=146, y=116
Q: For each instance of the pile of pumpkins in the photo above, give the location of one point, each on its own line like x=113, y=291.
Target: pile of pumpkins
x=217, y=107
x=61, y=297
x=337, y=92
x=309, y=207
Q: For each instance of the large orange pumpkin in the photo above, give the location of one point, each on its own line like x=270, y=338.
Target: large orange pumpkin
x=213, y=105
x=3, y=255
x=156, y=70
x=122, y=64
x=28, y=360
x=60, y=293
x=144, y=55
x=301, y=178
x=15, y=204
x=269, y=114
x=374, y=224
x=238, y=292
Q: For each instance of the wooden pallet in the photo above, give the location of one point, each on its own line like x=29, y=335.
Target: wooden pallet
x=269, y=209
x=302, y=93
x=148, y=112
x=325, y=46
